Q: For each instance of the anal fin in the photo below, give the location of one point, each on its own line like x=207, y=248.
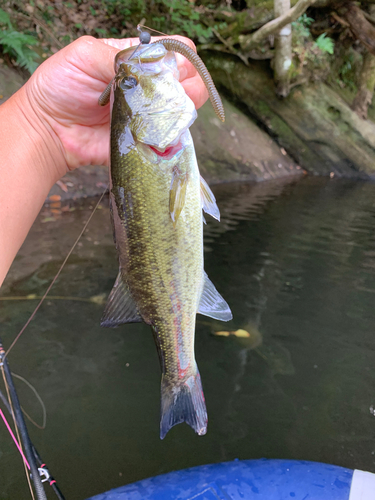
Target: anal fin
x=120, y=307
x=212, y=303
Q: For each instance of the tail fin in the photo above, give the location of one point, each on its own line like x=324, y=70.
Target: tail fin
x=183, y=402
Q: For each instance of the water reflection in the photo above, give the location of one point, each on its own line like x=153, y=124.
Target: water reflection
x=295, y=262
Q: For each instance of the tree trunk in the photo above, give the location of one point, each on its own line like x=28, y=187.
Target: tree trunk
x=366, y=87
x=283, y=51
x=359, y=25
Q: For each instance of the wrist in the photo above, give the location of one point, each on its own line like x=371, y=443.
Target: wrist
x=30, y=163
x=40, y=144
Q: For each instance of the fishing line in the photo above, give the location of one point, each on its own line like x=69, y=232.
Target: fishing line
x=56, y=276
x=151, y=29
x=7, y=406
x=5, y=402
x=131, y=57
x=43, y=426
x=16, y=410
x=2, y=364
x=95, y=298
x=144, y=39
x=41, y=465
x=14, y=438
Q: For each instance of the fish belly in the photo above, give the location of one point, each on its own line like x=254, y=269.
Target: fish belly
x=162, y=265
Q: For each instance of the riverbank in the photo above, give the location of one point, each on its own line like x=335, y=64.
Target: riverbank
x=264, y=137
x=313, y=124
x=238, y=150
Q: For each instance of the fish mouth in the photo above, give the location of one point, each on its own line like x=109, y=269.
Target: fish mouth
x=167, y=152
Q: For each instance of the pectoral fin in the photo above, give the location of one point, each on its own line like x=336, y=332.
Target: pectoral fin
x=212, y=303
x=209, y=201
x=177, y=195
x=120, y=307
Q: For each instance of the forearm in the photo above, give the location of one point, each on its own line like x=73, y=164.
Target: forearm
x=30, y=163
x=54, y=123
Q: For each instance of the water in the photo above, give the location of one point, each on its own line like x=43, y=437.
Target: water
x=297, y=265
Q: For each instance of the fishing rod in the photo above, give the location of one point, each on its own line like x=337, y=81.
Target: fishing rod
x=37, y=467
x=35, y=463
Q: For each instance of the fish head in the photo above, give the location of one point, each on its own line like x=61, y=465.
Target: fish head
x=158, y=111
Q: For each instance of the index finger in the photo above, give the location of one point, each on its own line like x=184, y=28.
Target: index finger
x=185, y=67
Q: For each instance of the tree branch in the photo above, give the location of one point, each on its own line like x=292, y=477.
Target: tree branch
x=249, y=42
x=369, y=17
x=230, y=47
x=360, y=27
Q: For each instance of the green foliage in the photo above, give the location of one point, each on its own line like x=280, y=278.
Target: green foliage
x=305, y=20
x=100, y=18
x=311, y=58
x=17, y=44
x=325, y=44
x=167, y=16
x=301, y=26
x=185, y=18
x=347, y=73
x=5, y=19
x=124, y=8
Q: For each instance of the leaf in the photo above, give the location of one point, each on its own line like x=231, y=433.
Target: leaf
x=325, y=44
x=4, y=18
x=16, y=44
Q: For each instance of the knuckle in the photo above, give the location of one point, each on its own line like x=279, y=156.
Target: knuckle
x=85, y=40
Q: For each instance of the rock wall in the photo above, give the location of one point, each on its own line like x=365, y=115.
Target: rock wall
x=315, y=126
x=232, y=151
x=263, y=137
x=237, y=149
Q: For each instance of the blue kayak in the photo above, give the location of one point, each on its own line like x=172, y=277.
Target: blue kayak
x=252, y=480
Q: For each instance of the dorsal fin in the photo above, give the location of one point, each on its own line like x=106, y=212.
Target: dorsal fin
x=209, y=200
x=212, y=303
x=120, y=307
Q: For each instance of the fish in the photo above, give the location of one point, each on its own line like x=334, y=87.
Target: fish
x=156, y=201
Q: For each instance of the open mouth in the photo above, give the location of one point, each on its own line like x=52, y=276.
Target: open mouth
x=167, y=152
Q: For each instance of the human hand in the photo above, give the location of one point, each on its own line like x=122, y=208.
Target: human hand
x=63, y=94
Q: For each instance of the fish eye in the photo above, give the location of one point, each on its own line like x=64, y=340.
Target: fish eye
x=129, y=82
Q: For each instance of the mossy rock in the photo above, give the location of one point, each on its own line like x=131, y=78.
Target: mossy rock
x=237, y=149
x=315, y=126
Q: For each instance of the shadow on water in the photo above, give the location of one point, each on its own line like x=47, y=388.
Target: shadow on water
x=297, y=265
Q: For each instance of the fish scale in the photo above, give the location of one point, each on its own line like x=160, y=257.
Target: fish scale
x=156, y=254
x=156, y=207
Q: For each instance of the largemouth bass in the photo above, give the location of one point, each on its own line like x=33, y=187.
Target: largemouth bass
x=156, y=201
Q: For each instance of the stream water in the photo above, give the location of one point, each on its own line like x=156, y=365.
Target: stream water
x=296, y=263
